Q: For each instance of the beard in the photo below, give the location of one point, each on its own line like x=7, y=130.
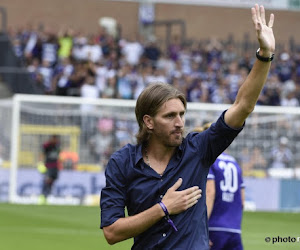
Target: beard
x=173, y=139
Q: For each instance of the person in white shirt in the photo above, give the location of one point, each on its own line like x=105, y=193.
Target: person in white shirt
x=132, y=51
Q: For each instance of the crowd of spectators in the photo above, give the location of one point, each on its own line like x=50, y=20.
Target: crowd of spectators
x=71, y=63
x=100, y=65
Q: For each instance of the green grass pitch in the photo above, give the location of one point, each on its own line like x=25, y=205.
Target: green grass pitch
x=30, y=227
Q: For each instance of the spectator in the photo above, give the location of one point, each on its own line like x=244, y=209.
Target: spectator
x=92, y=51
x=228, y=54
x=271, y=92
x=125, y=82
x=89, y=91
x=166, y=64
x=50, y=49
x=281, y=155
x=65, y=41
x=152, y=51
x=202, y=59
x=62, y=74
x=47, y=72
x=77, y=79
x=79, y=41
x=101, y=73
x=253, y=160
x=101, y=143
x=284, y=67
x=132, y=51
x=174, y=48
x=290, y=99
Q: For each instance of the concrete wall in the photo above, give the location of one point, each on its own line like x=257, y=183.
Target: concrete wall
x=201, y=21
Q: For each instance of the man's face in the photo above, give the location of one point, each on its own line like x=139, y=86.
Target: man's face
x=168, y=123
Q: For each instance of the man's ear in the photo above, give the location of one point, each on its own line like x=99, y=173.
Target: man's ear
x=148, y=120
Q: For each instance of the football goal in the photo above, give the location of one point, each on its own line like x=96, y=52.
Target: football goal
x=93, y=129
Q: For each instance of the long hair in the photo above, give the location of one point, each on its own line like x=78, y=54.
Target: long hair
x=149, y=102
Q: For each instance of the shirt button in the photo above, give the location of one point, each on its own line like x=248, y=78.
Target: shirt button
x=161, y=179
x=161, y=196
x=164, y=235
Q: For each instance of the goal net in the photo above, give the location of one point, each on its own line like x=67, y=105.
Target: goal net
x=90, y=130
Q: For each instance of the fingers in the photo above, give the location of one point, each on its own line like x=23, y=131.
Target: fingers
x=259, y=16
x=262, y=15
x=271, y=22
x=254, y=17
x=193, y=201
x=178, y=201
x=193, y=197
x=177, y=184
x=192, y=191
x=258, y=19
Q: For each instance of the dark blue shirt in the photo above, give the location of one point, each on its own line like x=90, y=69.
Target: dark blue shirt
x=133, y=184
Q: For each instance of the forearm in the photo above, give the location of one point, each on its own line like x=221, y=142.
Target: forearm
x=250, y=90
x=210, y=196
x=248, y=94
x=125, y=228
x=243, y=197
x=210, y=204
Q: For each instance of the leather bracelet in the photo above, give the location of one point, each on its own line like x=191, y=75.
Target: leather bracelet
x=167, y=215
x=264, y=59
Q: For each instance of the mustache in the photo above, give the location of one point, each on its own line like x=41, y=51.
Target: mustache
x=177, y=131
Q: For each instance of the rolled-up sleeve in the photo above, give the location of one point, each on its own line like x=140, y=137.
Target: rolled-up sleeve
x=113, y=195
x=217, y=138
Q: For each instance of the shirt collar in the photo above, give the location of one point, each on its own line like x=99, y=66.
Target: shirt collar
x=139, y=154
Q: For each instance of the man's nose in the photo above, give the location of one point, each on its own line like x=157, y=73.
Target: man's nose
x=179, y=121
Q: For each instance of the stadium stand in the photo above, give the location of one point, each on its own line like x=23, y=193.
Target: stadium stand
x=205, y=70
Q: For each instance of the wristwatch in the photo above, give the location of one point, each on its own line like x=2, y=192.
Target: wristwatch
x=262, y=58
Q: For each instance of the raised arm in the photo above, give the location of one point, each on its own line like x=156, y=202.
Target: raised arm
x=249, y=91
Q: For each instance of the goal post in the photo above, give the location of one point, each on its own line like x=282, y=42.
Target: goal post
x=94, y=128
x=75, y=120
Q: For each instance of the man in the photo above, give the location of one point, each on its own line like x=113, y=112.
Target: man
x=50, y=157
x=281, y=155
x=225, y=197
x=160, y=179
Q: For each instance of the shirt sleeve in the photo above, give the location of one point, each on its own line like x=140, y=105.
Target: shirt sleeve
x=219, y=136
x=113, y=195
x=211, y=174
